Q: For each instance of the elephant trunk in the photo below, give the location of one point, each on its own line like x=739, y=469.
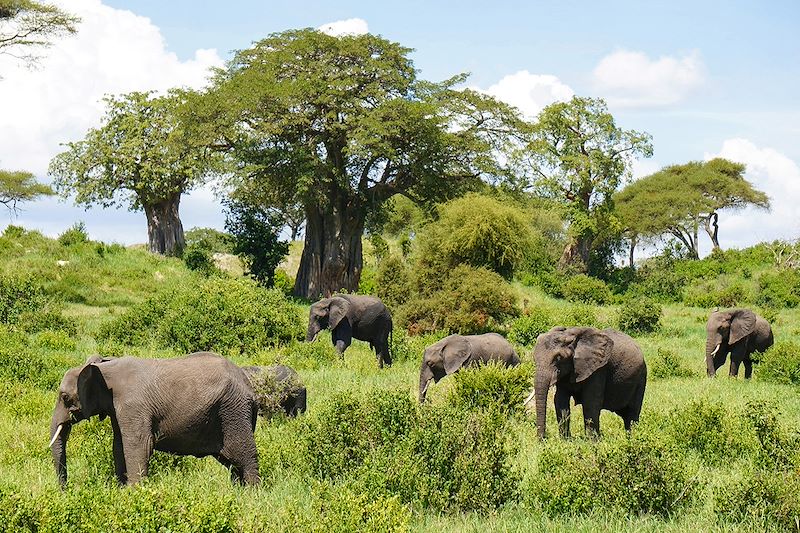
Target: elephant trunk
x=313, y=331
x=60, y=427
x=713, y=346
x=425, y=377
x=541, y=388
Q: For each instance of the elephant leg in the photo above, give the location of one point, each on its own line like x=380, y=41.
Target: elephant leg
x=342, y=337
x=561, y=401
x=137, y=450
x=630, y=415
x=748, y=368
x=119, y=456
x=300, y=403
x=382, y=351
x=236, y=472
x=239, y=447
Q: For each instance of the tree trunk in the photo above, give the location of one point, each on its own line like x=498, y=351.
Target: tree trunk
x=630, y=253
x=164, y=228
x=713, y=229
x=576, y=253
x=332, y=258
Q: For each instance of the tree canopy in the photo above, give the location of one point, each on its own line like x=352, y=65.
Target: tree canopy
x=16, y=187
x=140, y=157
x=339, y=125
x=678, y=199
x=27, y=26
x=579, y=156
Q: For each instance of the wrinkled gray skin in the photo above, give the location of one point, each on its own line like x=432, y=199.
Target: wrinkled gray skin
x=455, y=352
x=599, y=369
x=353, y=317
x=739, y=332
x=295, y=402
x=201, y=404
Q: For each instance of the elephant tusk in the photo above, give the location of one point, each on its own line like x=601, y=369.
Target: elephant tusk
x=529, y=398
x=716, y=350
x=55, y=435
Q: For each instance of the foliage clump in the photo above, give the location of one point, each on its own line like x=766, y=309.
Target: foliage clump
x=780, y=363
x=218, y=314
x=255, y=230
x=525, y=329
x=393, y=281
x=667, y=364
x=492, y=386
x=639, y=315
x=779, y=289
x=76, y=234
x=272, y=392
x=585, y=289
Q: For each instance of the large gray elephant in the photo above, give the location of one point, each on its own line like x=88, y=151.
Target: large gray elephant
x=349, y=317
x=201, y=404
x=599, y=369
x=739, y=332
x=277, y=387
x=455, y=352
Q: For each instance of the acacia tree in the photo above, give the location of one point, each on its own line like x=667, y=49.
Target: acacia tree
x=339, y=125
x=679, y=199
x=27, y=26
x=142, y=157
x=579, y=157
x=16, y=187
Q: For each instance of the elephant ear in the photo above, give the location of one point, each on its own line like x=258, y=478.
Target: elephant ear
x=592, y=351
x=337, y=311
x=93, y=392
x=455, y=353
x=742, y=325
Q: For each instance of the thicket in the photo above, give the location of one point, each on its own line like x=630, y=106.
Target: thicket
x=780, y=363
x=218, y=314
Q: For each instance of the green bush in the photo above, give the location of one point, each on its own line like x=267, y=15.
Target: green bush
x=472, y=300
x=550, y=281
x=283, y=282
x=218, y=314
x=637, y=475
x=393, y=282
x=711, y=295
x=255, y=231
x=19, y=295
x=19, y=362
x=578, y=315
x=639, y=315
x=367, y=283
x=582, y=288
x=778, y=447
x=760, y=498
x=76, y=234
x=49, y=317
x=525, y=329
x=667, y=365
x=55, y=340
x=712, y=431
x=780, y=363
x=779, y=289
x=198, y=258
x=492, y=386
x=210, y=239
x=271, y=392
x=661, y=284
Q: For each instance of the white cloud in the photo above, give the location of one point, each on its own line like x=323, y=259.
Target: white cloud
x=631, y=79
x=773, y=173
x=115, y=51
x=354, y=26
x=530, y=93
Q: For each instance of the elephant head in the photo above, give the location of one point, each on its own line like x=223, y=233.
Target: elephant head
x=326, y=314
x=83, y=393
x=723, y=330
x=572, y=354
x=443, y=358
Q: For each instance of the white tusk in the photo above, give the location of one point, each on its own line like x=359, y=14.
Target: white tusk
x=55, y=436
x=529, y=398
x=716, y=350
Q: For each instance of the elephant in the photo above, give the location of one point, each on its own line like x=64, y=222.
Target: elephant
x=455, y=352
x=277, y=386
x=599, y=369
x=740, y=332
x=200, y=404
x=351, y=317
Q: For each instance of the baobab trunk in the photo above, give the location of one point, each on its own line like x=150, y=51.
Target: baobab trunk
x=332, y=257
x=164, y=228
x=576, y=253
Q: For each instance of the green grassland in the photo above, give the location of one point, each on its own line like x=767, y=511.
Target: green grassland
x=708, y=455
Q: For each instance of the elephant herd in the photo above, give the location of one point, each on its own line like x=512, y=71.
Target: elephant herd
x=202, y=404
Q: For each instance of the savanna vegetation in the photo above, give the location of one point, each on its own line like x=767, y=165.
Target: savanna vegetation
x=719, y=455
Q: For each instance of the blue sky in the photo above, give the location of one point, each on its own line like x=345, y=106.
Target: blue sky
x=704, y=78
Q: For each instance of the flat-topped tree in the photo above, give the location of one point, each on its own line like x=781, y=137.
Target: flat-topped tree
x=17, y=187
x=339, y=125
x=142, y=157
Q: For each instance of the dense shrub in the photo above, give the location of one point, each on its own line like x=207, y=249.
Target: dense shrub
x=198, y=258
x=711, y=295
x=638, y=475
x=300, y=355
x=663, y=285
x=472, y=300
x=210, y=239
x=778, y=447
x=283, y=282
x=393, y=281
x=492, y=386
x=76, y=234
x=525, y=329
x=780, y=363
x=639, y=315
x=19, y=295
x=367, y=283
x=779, y=289
x=550, y=281
x=759, y=498
x=582, y=288
x=666, y=364
x=271, y=392
x=578, y=315
x=217, y=314
x=255, y=232
x=19, y=362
